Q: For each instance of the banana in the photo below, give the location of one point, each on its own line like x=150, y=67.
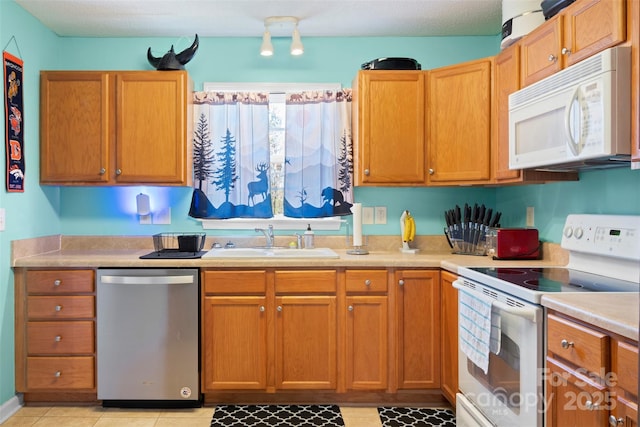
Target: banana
x=409, y=228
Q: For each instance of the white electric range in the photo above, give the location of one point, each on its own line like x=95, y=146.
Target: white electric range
x=604, y=256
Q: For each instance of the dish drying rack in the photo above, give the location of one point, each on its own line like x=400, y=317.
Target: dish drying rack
x=179, y=242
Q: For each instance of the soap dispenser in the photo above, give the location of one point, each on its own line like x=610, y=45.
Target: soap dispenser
x=308, y=237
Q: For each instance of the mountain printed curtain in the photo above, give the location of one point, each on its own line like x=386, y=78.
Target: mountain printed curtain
x=231, y=155
x=318, y=180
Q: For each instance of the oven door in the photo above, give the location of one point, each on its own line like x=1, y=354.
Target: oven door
x=511, y=392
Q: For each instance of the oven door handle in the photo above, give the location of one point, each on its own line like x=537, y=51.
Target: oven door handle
x=529, y=313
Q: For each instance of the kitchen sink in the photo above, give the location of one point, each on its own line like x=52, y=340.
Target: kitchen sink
x=280, y=252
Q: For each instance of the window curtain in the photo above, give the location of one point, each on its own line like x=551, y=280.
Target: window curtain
x=318, y=167
x=231, y=155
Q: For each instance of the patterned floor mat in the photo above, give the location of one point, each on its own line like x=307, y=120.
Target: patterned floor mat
x=277, y=415
x=416, y=417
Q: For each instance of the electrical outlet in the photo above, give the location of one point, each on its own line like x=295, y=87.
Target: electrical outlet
x=380, y=214
x=367, y=215
x=530, y=219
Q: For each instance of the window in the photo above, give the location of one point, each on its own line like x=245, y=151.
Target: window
x=277, y=159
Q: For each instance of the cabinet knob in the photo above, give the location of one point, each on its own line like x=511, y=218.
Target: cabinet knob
x=566, y=344
x=401, y=282
x=350, y=308
x=58, y=308
x=279, y=308
x=103, y=171
x=58, y=374
x=367, y=282
x=57, y=282
x=366, y=172
x=118, y=171
x=590, y=405
x=431, y=171
x=262, y=309
x=58, y=338
x=613, y=421
x=566, y=51
x=552, y=58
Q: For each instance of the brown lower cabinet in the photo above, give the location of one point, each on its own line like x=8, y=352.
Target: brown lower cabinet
x=449, y=339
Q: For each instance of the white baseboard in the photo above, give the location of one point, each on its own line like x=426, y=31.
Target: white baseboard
x=10, y=407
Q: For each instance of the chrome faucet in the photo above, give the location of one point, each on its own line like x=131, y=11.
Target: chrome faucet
x=268, y=235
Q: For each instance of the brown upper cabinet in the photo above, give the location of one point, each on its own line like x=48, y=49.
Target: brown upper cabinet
x=633, y=19
x=459, y=123
x=115, y=127
x=389, y=128
x=577, y=32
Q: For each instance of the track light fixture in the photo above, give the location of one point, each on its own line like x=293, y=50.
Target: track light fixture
x=280, y=26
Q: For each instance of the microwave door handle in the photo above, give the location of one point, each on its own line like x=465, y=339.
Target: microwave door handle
x=576, y=100
x=529, y=313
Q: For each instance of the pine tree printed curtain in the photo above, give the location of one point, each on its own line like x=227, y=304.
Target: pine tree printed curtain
x=318, y=178
x=231, y=155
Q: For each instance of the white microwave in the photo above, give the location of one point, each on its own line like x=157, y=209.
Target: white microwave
x=578, y=118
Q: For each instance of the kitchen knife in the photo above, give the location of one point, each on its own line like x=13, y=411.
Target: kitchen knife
x=472, y=226
x=479, y=226
x=465, y=224
x=495, y=220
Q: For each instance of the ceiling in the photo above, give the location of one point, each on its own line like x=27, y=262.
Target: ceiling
x=245, y=18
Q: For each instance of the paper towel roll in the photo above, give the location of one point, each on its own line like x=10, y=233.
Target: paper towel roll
x=356, y=209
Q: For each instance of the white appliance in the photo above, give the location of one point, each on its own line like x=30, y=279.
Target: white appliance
x=604, y=256
x=519, y=17
x=148, y=337
x=575, y=119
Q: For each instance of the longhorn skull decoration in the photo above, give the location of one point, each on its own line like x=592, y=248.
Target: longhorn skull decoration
x=172, y=60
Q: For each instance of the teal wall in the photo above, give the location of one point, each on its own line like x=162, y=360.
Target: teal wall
x=45, y=210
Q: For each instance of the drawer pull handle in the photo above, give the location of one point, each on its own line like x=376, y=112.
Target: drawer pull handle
x=279, y=308
x=58, y=374
x=350, y=308
x=566, y=51
x=58, y=338
x=591, y=406
x=401, y=282
x=58, y=308
x=57, y=282
x=552, y=58
x=367, y=282
x=262, y=309
x=613, y=421
x=566, y=344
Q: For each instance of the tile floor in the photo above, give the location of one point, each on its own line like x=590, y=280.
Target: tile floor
x=96, y=416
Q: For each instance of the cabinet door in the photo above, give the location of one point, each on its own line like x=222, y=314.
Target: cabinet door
x=389, y=128
x=573, y=399
x=234, y=341
x=459, y=109
x=306, y=342
x=418, y=329
x=449, y=336
x=592, y=26
x=75, y=126
x=625, y=413
x=152, y=127
x=506, y=81
x=367, y=346
x=541, y=51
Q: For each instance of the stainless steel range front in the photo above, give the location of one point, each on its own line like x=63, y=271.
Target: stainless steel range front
x=501, y=321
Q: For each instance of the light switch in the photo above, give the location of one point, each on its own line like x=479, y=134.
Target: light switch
x=380, y=214
x=367, y=215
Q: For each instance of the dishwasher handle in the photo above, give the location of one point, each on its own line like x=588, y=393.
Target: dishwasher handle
x=147, y=280
x=529, y=313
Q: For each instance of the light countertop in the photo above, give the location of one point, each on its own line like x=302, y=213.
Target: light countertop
x=615, y=312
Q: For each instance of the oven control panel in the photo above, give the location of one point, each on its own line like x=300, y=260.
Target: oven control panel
x=615, y=236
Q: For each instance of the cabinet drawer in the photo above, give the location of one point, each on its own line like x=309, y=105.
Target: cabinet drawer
x=305, y=281
x=60, y=281
x=60, y=337
x=366, y=280
x=625, y=366
x=60, y=307
x=53, y=373
x=235, y=282
x=584, y=347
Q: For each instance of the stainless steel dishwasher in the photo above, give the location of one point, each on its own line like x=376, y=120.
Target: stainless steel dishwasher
x=148, y=337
